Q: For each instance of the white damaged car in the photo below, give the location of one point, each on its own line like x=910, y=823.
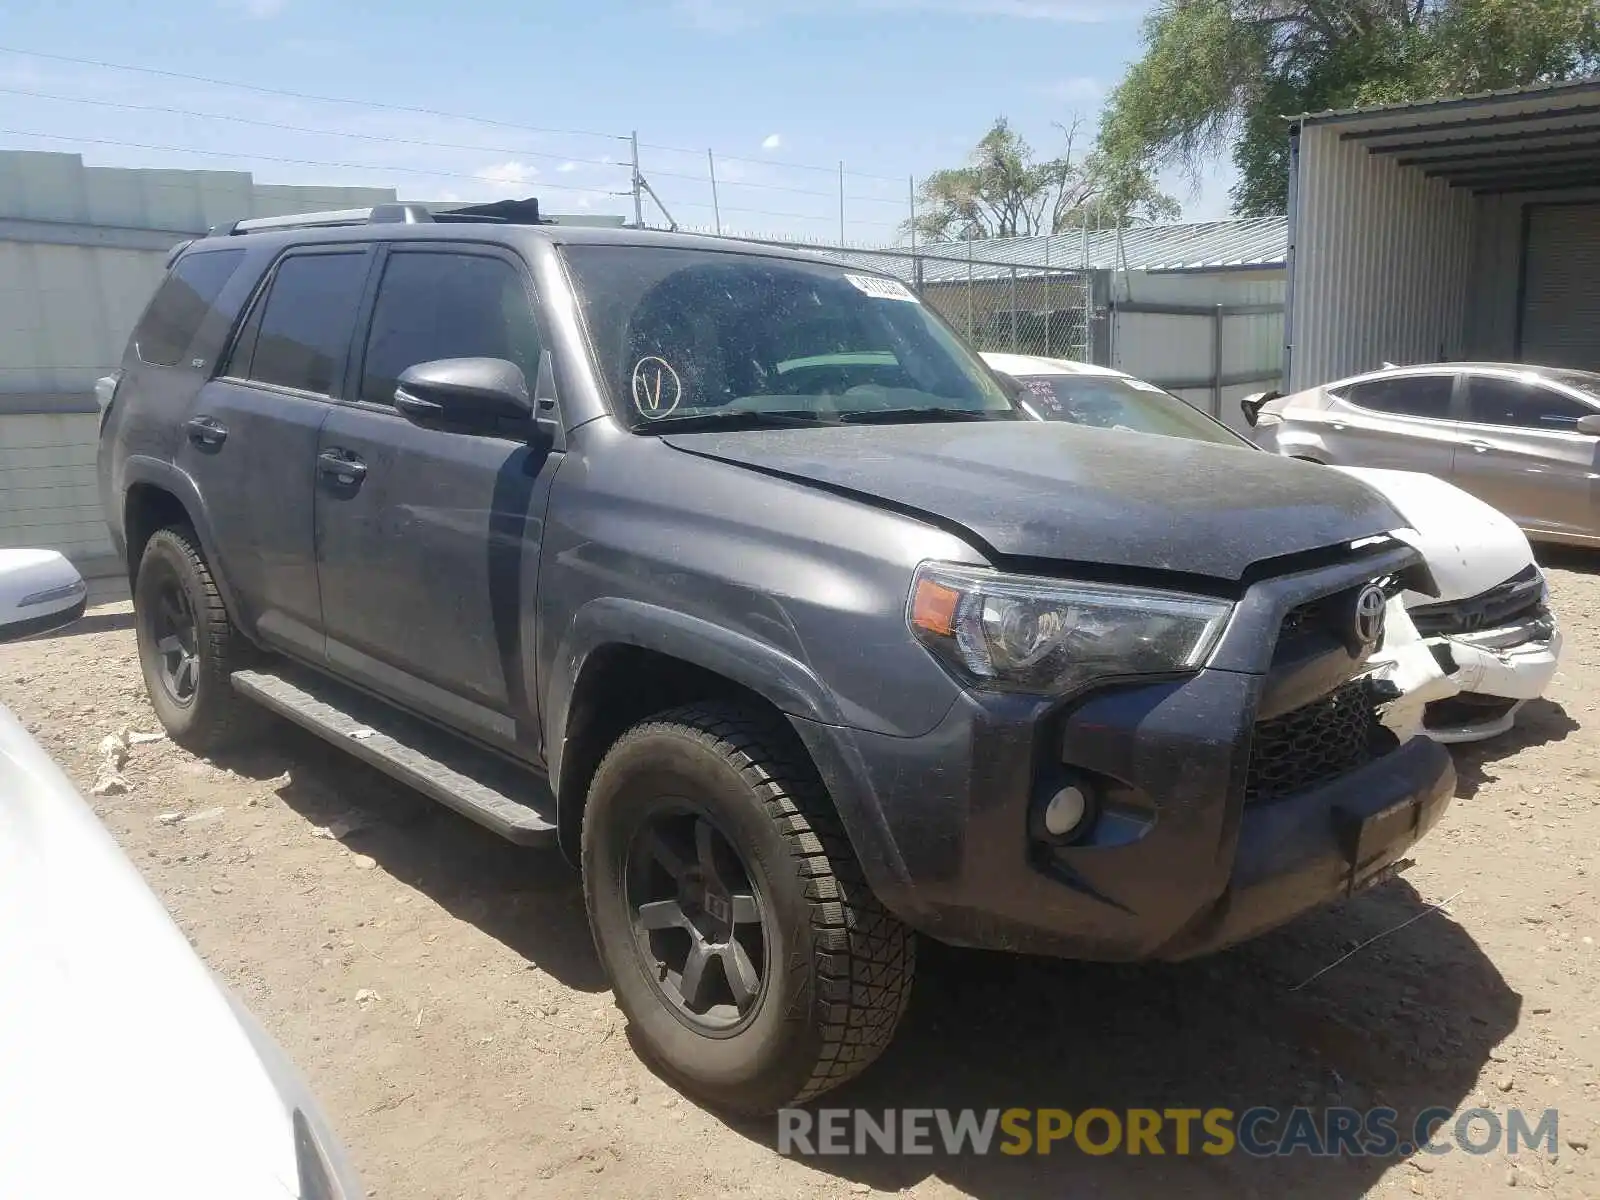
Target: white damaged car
x=1489, y=629
x=126, y=1068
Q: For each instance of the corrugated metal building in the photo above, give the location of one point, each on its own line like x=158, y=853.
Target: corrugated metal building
x=1464, y=228
x=81, y=250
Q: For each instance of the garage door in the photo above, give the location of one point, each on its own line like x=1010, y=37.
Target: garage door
x=1560, y=319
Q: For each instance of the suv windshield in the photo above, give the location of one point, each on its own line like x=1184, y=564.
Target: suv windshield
x=1112, y=402
x=709, y=336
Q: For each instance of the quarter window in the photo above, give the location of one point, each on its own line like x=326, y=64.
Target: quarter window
x=304, y=327
x=1492, y=400
x=434, y=305
x=186, y=297
x=1403, y=395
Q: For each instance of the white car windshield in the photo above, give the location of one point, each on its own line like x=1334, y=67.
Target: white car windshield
x=1112, y=402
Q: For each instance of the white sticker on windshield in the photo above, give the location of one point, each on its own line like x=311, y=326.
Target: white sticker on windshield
x=1141, y=385
x=880, y=288
x=656, y=388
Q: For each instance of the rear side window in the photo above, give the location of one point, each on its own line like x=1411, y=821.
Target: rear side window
x=437, y=305
x=1404, y=395
x=1494, y=401
x=181, y=304
x=301, y=332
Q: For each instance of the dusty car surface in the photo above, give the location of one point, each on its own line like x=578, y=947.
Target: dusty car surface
x=737, y=575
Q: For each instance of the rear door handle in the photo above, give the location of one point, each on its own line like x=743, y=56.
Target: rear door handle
x=342, y=467
x=206, y=431
x=1479, y=446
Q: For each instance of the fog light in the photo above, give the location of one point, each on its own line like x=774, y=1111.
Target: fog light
x=1064, y=811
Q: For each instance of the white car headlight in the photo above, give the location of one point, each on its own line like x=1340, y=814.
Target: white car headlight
x=1025, y=633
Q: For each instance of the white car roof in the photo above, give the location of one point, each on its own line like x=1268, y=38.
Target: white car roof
x=1030, y=364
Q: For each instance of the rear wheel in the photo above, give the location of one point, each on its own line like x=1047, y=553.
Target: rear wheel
x=756, y=967
x=187, y=643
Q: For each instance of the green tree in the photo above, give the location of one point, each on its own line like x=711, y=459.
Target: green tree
x=1219, y=76
x=1005, y=190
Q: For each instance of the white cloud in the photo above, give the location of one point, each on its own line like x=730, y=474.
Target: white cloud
x=567, y=168
x=507, y=175
x=771, y=142
x=1079, y=89
x=258, y=10
x=733, y=16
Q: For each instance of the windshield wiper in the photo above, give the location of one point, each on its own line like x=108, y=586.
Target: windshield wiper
x=907, y=416
x=735, y=418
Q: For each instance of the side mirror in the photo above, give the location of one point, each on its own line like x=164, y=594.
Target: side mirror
x=1589, y=425
x=39, y=591
x=466, y=395
x=1251, y=406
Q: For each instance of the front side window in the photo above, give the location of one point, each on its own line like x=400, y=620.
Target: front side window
x=1403, y=395
x=434, y=305
x=1495, y=400
x=1113, y=403
x=305, y=325
x=706, y=335
x=186, y=297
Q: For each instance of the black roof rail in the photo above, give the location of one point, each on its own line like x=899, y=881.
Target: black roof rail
x=507, y=212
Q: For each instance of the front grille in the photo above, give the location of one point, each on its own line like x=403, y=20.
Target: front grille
x=1314, y=744
x=1520, y=598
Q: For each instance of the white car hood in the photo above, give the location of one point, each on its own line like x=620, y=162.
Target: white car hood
x=123, y=1068
x=1470, y=547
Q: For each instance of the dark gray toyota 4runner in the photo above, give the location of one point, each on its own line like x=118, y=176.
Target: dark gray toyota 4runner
x=736, y=575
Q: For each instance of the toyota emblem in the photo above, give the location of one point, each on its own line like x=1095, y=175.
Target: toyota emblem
x=1368, y=619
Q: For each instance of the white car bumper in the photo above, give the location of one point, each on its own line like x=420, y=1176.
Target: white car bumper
x=1496, y=672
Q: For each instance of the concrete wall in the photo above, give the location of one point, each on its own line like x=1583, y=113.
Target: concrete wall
x=81, y=251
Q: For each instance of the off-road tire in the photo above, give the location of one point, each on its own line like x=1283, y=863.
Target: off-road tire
x=838, y=975
x=215, y=715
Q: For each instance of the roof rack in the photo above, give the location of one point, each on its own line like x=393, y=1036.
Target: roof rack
x=500, y=212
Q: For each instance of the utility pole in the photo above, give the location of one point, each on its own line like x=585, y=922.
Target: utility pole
x=638, y=184
x=716, y=208
x=841, y=202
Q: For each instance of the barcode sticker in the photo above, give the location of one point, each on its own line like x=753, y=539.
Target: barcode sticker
x=882, y=289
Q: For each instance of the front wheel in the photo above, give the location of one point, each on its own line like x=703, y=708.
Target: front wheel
x=746, y=950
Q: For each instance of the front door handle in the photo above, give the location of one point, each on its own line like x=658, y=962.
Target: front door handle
x=342, y=467
x=206, y=431
x=1479, y=446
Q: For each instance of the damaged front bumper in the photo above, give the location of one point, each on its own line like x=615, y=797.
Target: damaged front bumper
x=1496, y=671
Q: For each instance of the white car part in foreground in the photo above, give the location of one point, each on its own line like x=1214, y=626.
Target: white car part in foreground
x=1490, y=624
x=126, y=1069
x=39, y=591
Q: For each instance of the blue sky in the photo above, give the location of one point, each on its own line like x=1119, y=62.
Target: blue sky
x=780, y=90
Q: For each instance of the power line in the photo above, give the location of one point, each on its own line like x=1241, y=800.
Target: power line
x=269, y=91
x=302, y=162
x=128, y=106
x=368, y=137
x=405, y=108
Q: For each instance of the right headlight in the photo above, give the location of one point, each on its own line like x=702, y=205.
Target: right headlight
x=1025, y=633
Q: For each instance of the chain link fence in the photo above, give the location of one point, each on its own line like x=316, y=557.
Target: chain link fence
x=1018, y=308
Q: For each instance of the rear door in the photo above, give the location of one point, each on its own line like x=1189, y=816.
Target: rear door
x=428, y=542
x=1521, y=452
x=1402, y=422
x=250, y=441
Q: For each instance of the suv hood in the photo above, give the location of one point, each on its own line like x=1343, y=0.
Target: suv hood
x=1061, y=491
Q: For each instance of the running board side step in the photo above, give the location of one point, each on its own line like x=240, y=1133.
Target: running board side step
x=516, y=804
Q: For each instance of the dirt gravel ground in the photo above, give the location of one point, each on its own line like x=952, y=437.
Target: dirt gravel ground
x=440, y=990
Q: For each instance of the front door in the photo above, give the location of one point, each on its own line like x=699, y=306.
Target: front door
x=1520, y=451
x=251, y=438
x=428, y=542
